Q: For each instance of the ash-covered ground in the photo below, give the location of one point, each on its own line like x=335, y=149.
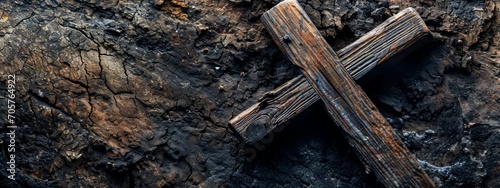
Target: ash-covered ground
x=139, y=94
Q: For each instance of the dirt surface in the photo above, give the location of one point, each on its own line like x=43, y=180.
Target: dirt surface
x=138, y=94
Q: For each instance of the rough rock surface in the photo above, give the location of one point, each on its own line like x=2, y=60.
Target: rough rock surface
x=138, y=94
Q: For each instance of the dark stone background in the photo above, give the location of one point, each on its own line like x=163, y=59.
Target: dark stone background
x=138, y=94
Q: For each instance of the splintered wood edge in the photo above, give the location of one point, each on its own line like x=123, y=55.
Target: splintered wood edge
x=274, y=109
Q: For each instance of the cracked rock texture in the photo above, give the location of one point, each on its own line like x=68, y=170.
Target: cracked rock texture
x=138, y=94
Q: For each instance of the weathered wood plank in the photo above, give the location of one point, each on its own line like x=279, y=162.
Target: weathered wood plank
x=273, y=109
x=393, y=36
x=365, y=128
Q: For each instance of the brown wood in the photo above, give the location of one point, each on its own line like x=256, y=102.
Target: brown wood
x=393, y=36
x=273, y=109
x=366, y=130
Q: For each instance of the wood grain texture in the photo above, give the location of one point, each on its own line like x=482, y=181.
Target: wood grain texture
x=393, y=36
x=365, y=129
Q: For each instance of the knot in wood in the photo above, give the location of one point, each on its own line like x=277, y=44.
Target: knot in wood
x=257, y=130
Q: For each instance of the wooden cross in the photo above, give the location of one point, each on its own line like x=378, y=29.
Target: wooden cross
x=400, y=32
x=365, y=128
